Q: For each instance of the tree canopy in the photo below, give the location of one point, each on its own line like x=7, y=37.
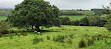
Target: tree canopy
x=35, y=13
x=108, y=12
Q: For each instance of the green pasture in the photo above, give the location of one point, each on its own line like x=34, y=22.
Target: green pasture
x=74, y=17
x=12, y=41
x=3, y=18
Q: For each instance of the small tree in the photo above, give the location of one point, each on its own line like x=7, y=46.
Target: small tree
x=84, y=21
x=3, y=27
x=65, y=21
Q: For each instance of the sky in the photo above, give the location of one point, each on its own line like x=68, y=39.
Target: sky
x=63, y=4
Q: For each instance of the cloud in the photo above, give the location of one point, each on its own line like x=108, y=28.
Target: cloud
x=9, y=3
x=79, y=4
x=63, y=4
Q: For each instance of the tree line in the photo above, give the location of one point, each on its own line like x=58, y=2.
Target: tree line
x=5, y=12
x=92, y=12
x=87, y=21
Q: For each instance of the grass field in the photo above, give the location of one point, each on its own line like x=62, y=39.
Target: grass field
x=74, y=17
x=30, y=40
x=3, y=18
x=70, y=17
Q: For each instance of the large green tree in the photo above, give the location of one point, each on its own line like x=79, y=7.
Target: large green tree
x=35, y=13
x=108, y=18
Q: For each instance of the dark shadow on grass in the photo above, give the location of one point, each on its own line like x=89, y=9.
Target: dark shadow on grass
x=48, y=31
x=27, y=32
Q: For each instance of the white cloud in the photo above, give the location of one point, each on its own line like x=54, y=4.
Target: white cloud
x=62, y=4
x=9, y=3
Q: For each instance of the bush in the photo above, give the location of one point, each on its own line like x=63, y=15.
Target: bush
x=4, y=27
x=59, y=38
x=12, y=31
x=97, y=21
x=90, y=42
x=84, y=22
x=48, y=38
x=68, y=40
x=24, y=34
x=82, y=44
x=71, y=36
x=93, y=21
x=65, y=21
x=36, y=40
x=76, y=22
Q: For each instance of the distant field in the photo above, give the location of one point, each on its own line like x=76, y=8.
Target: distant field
x=74, y=17
x=70, y=17
x=3, y=18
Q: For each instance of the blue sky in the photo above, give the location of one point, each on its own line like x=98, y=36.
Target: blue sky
x=63, y=4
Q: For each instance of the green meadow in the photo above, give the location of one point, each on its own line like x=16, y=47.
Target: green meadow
x=39, y=24
x=74, y=17
x=3, y=18
x=52, y=38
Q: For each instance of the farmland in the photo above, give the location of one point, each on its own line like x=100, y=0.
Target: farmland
x=3, y=18
x=74, y=17
x=39, y=24
x=20, y=41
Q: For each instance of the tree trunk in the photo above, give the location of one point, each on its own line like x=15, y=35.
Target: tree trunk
x=37, y=28
x=32, y=27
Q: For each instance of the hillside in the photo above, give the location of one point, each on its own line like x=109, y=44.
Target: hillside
x=5, y=12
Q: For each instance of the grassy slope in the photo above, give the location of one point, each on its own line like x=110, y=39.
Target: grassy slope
x=3, y=18
x=74, y=17
x=25, y=42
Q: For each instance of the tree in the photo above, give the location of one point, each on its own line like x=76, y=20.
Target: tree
x=108, y=24
x=35, y=13
x=75, y=22
x=93, y=21
x=84, y=21
x=65, y=21
x=108, y=12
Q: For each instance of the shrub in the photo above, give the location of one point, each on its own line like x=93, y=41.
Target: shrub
x=65, y=21
x=76, y=22
x=12, y=31
x=11, y=37
x=94, y=37
x=97, y=21
x=90, y=42
x=48, y=38
x=36, y=40
x=82, y=43
x=4, y=27
x=71, y=36
x=68, y=40
x=59, y=38
x=84, y=22
x=24, y=33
